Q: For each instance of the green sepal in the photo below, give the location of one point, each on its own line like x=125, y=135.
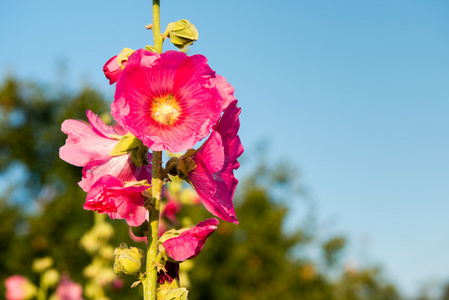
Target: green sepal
x=165, y=288
x=130, y=143
x=151, y=48
x=123, y=56
x=127, y=143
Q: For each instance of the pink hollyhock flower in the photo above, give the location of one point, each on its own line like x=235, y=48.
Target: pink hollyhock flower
x=19, y=288
x=213, y=178
x=69, y=290
x=190, y=242
x=167, y=100
x=89, y=146
x=108, y=195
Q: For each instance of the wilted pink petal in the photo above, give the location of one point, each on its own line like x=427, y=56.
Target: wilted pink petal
x=213, y=178
x=69, y=290
x=171, y=273
x=167, y=100
x=18, y=288
x=190, y=242
x=108, y=195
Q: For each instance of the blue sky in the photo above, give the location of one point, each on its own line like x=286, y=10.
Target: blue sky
x=355, y=93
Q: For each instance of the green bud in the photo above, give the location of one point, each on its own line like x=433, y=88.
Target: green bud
x=50, y=278
x=181, y=33
x=128, y=260
x=41, y=264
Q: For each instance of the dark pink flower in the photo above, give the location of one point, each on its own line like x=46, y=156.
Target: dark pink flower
x=109, y=195
x=190, y=242
x=89, y=146
x=19, y=288
x=69, y=290
x=213, y=178
x=114, y=66
x=167, y=100
x=112, y=70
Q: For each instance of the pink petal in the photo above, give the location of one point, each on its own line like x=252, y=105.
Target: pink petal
x=83, y=144
x=190, y=242
x=117, y=166
x=225, y=89
x=206, y=187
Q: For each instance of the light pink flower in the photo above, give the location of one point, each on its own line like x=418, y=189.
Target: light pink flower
x=19, y=288
x=189, y=243
x=69, y=290
x=89, y=146
x=108, y=195
x=167, y=100
x=213, y=178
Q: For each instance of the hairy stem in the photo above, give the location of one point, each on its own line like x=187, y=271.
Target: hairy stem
x=150, y=282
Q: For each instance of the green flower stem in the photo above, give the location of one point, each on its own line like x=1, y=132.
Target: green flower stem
x=157, y=36
x=43, y=289
x=150, y=282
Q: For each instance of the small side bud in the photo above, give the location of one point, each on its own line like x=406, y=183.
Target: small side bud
x=41, y=264
x=128, y=260
x=181, y=33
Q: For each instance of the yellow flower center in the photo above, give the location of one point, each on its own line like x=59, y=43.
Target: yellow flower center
x=166, y=111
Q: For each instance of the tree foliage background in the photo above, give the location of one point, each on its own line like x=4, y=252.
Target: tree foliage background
x=41, y=214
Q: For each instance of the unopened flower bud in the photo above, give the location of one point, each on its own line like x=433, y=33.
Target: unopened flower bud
x=115, y=65
x=127, y=260
x=181, y=33
x=50, y=278
x=41, y=264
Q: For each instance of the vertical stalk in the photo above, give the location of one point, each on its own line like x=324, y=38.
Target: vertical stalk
x=157, y=36
x=150, y=281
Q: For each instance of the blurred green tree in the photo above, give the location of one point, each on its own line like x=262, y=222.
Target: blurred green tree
x=41, y=215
